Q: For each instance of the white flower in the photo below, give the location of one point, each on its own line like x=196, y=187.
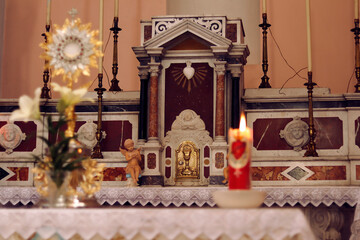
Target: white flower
x=69, y=97
x=29, y=109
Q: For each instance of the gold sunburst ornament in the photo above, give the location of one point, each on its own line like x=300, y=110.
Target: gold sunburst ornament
x=71, y=49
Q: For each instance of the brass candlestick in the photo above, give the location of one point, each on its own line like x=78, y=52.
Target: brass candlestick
x=265, y=79
x=100, y=90
x=114, y=82
x=311, y=147
x=45, y=91
x=356, y=31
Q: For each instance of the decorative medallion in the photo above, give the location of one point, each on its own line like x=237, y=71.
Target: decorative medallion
x=71, y=49
x=296, y=133
x=189, y=77
x=87, y=134
x=11, y=137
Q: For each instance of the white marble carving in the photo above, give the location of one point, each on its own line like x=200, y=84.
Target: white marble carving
x=296, y=133
x=188, y=120
x=214, y=24
x=326, y=222
x=188, y=126
x=87, y=134
x=11, y=137
x=188, y=71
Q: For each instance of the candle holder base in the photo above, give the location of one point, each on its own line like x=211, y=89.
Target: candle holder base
x=115, y=86
x=357, y=87
x=239, y=198
x=265, y=82
x=356, y=31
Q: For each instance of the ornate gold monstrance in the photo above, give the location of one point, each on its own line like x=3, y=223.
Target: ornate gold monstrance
x=70, y=51
x=187, y=161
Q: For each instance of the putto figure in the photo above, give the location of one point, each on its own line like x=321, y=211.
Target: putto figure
x=133, y=158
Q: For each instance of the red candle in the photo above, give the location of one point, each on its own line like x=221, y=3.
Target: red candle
x=240, y=141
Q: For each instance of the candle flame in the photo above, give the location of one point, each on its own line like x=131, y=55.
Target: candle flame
x=242, y=123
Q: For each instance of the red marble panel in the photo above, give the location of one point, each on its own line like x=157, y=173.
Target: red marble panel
x=327, y=172
x=206, y=171
x=329, y=132
x=151, y=161
x=219, y=160
x=206, y=152
x=268, y=174
x=21, y=174
x=267, y=133
x=357, y=169
x=114, y=174
x=147, y=32
x=195, y=94
x=29, y=144
x=190, y=44
x=116, y=133
x=231, y=32
x=153, y=107
x=168, y=152
x=167, y=172
x=220, y=106
x=54, y=138
x=142, y=163
x=357, y=132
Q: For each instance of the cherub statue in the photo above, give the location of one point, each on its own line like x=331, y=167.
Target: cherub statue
x=133, y=157
x=226, y=175
x=226, y=172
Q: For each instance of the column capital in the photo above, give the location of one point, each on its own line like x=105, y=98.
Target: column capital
x=143, y=72
x=154, y=69
x=220, y=67
x=235, y=69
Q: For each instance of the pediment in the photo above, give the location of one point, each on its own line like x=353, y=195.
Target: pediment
x=185, y=30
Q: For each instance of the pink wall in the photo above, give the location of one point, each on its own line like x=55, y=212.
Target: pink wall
x=25, y=21
x=332, y=42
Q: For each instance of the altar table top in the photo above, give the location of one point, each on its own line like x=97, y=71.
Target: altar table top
x=159, y=223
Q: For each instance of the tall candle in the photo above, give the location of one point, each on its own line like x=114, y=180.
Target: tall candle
x=264, y=6
x=240, y=141
x=116, y=8
x=101, y=23
x=356, y=9
x=308, y=35
x=48, y=12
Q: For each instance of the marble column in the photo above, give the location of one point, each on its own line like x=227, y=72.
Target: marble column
x=144, y=83
x=153, y=101
x=220, y=101
x=235, y=70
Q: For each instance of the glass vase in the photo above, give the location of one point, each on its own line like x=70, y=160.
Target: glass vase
x=57, y=190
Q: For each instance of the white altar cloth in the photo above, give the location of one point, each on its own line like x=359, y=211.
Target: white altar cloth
x=160, y=223
x=199, y=196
